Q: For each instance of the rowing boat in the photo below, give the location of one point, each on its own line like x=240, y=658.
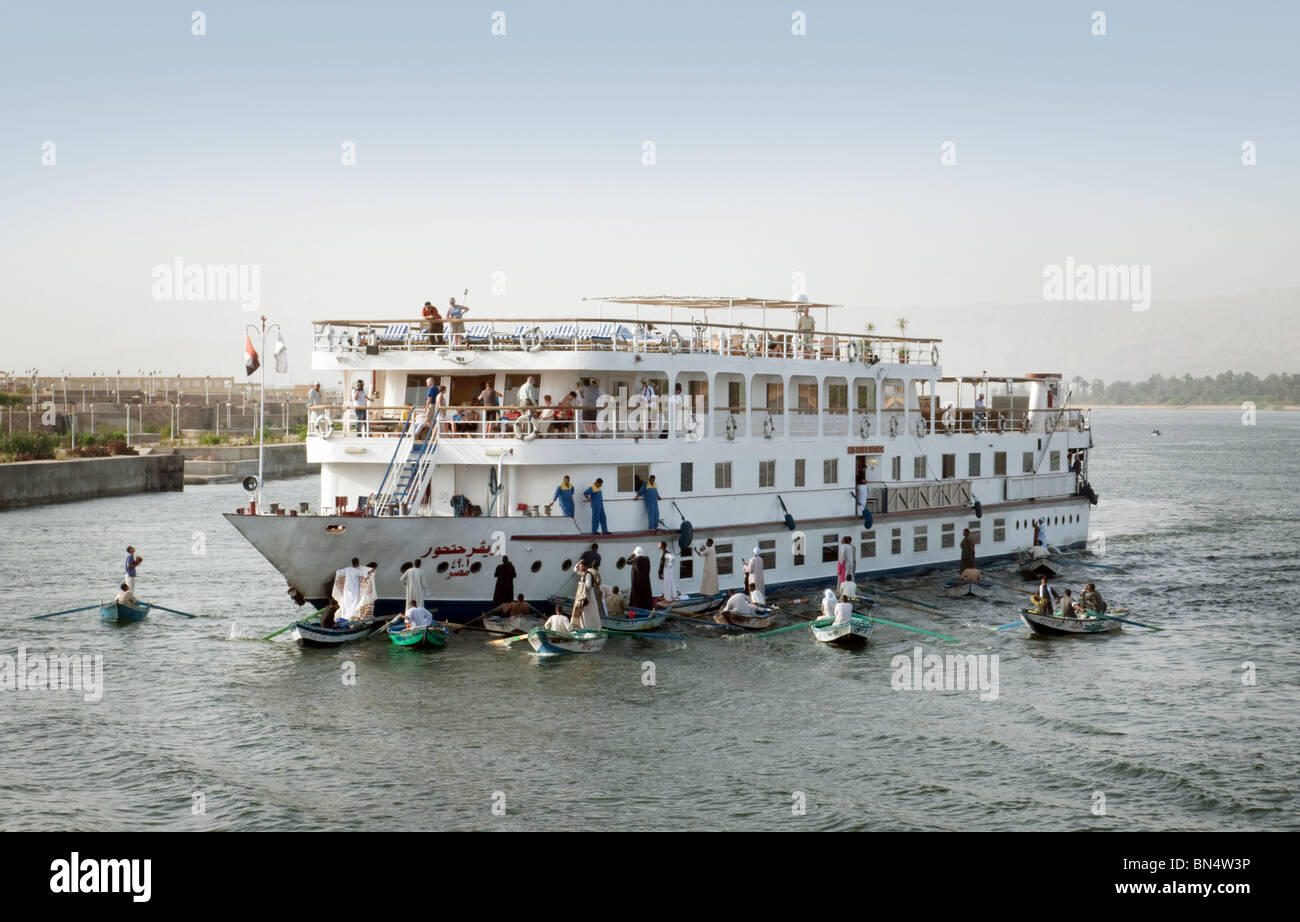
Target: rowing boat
x=311, y=634
x=637, y=619
x=514, y=624
x=124, y=612
x=552, y=643
x=691, y=603
x=435, y=635
x=1053, y=625
x=851, y=633
x=762, y=617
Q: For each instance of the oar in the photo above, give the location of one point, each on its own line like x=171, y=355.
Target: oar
x=891, y=595
x=68, y=612
x=703, y=623
x=906, y=627
x=1003, y=627
x=1080, y=563
x=648, y=634
x=382, y=627
x=172, y=610
x=295, y=624
x=1125, y=621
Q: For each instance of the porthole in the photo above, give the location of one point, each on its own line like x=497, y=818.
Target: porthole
x=335, y=529
x=566, y=566
x=537, y=565
x=442, y=567
x=475, y=566
x=620, y=563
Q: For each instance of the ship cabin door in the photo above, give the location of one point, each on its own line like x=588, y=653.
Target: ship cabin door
x=464, y=388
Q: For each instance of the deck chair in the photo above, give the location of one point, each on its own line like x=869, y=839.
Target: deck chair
x=395, y=334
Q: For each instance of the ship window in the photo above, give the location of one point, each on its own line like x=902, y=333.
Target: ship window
x=735, y=396
x=688, y=477
x=620, y=563
x=724, y=559
x=537, y=566
x=1029, y=462
x=999, y=530
x=918, y=467
x=999, y=463
x=767, y=550
x=896, y=468
x=920, y=538
x=837, y=397
x=867, y=396
x=830, y=548
x=767, y=473
x=893, y=394
x=868, y=548
x=442, y=567
x=946, y=533
x=686, y=569
x=974, y=526
x=1054, y=461
x=566, y=566
x=631, y=476
x=973, y=464
x=896, y=541
x=722, y=475
x=799, y=472
x=775, y=402
x=831, y=470
x=949, y=467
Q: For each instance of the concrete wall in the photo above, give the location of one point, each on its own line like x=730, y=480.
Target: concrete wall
x=231, y=463
x=34, y=483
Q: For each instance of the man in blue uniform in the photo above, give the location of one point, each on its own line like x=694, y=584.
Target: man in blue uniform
x=564, y=494
x=597, y=500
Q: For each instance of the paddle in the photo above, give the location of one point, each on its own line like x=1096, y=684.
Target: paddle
x=1003, y=627
x=172, y=610
x=68, y=612
x=703, y=623
x=295, y=624
x=891, y=595
x=906, y=627
x=1124, y=620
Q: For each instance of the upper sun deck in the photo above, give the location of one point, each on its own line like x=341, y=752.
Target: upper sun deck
x=752, y=328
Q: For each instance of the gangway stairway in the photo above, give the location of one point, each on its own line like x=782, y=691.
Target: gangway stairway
x=409, y=471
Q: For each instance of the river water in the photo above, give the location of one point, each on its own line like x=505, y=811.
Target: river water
x=202, y=726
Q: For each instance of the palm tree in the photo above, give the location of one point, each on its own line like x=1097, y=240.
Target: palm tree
x=902, y=326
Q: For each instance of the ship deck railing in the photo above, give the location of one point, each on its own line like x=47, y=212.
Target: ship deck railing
x=662, y=420
x=550, y=335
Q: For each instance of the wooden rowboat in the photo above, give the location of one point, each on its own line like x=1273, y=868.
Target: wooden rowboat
x=637, y=619
x=435, y=635
x=762, y=617
x=515, y=624
x=1052, y=625
x=123, y=612
x=851, y=633
x=311, y=634
x=691, y=603
x=551, y=643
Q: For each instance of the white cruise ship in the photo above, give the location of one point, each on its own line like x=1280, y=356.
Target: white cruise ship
x=762, y=425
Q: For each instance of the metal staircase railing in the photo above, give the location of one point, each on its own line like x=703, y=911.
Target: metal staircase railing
x=418, y=471
x=392, y=474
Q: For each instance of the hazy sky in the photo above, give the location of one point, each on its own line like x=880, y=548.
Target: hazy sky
x=523, y=154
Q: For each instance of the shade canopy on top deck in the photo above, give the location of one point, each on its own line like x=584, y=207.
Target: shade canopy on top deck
x=707, y=303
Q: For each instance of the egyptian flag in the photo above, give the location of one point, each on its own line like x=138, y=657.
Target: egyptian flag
x=251, y=361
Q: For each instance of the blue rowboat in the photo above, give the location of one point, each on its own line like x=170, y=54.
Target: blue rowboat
x=122, y=612
x=637, y=619
x=551, y=643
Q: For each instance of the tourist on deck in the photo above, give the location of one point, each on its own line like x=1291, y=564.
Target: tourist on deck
x=591, y=557
x=132, y=561
x=359, y=402
x=615, y=604
x=591, y=393
x=708, y=569
x=676, y=418
x=594, y=496
x=489, y=397
x=429, y=414
x=564, y=494
x=125, y=595
x=756, y=595
x=847, y=568
x=1090, y=600
x=456, y=314
x=754, y=571
x=527, y=396
x=806, y=325
x=668, y=571
x=433, y=321
x=565, y=411
x=505, y=588
x=980, y=413
x=649, y=491
x=547, y=416
x=640, y=595
x=314, y=399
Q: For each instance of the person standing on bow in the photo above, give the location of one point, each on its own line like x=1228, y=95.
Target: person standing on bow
x=564, y=494
x=754, y=572
x=505, y=588
x=132, y=561
x=649, y=492
x=847, y=567
x=586, y=601
x=709, y=569
x=639, y=595
x=594, y=496
x=668, y=571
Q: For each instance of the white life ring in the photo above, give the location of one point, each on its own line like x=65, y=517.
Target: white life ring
x=852, y=351
x=674, y=342
x=920, y=427
x=893, y=426
x=768, y=427
x=526, y=428
x=324, y=426
x=751, y=345
x=934, y=354
x=731, y=426
x=531, y=339
x=864, y=427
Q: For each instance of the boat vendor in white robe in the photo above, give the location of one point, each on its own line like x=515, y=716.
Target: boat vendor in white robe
x=756, y=596
x=418, y=616
x=586, y=602
x=413, y=582
x=669, y=575
x=738, y=603
x=708, y=569
x=828, y=604
x=347, y=590
x=754, y=570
